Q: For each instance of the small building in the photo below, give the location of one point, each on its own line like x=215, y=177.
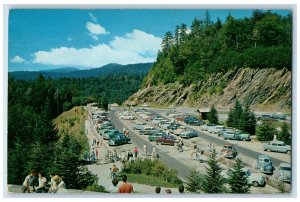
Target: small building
x=112, y=106
x=203, y=113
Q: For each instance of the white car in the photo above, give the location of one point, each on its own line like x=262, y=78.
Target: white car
x=216, y=129
x=254, y=179
x=128, y=117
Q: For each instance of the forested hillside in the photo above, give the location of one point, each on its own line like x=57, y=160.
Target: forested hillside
x=189, y=55
x=218, y=62
x=34, y=142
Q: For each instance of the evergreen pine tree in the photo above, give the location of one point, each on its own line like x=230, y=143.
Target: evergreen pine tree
x=235, y=117
x=265, y=131
x=248, y=121
x=68, y=163
x=213, y=181
x=237, y=178
x=193, y=184
x=284, y=134
x=213, y=115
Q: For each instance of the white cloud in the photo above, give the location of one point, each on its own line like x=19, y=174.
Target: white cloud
x=95, y=30
x=93, y=18
x=17, y=59
x=138, y=41
x=135, y=47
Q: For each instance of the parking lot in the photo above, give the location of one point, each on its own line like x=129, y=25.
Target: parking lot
x=184, y=161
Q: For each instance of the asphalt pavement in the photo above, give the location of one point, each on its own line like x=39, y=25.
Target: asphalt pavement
x=182, y=169
x=247, y=152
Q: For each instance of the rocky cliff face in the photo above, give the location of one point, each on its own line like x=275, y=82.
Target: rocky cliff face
x=265, y=89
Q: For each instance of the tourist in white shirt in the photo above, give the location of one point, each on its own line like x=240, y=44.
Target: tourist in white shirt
x=42, y=183
x=27, y=182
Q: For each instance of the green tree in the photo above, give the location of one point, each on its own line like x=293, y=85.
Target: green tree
x=167, y=42
x=249, y=121
x=69, y=163
x=265, y=131
x=213, y=181
x=284, y=134
x=237, y=178
x=193, y=184
x=213, y=115
x=235, y=117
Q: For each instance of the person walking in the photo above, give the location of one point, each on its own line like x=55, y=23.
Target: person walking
x=27, y=182
x=97, y=153
x=123, y=156
x=145, y=150
x=114, y=171
x=153, y=152
x=135, y=151
x=125, y=187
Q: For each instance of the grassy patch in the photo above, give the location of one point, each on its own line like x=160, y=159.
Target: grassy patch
x=72, y=122
x=149, y=180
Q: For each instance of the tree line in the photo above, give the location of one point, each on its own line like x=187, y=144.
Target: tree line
x=33, y=141
x=189, y=55
x=244, y=119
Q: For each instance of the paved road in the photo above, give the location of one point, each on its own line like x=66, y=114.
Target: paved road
x=247, y=152
x=182, y=169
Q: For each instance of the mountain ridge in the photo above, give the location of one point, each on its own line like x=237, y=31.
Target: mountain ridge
x=70, y=72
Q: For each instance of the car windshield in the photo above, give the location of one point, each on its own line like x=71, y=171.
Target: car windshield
x=286, y=168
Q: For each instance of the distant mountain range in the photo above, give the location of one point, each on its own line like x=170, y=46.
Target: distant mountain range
x=71, y=72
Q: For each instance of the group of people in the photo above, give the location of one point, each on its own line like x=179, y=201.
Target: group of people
x=169, y=191
x=56, y=184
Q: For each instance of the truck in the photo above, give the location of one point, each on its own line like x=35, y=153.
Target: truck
x=277, y=146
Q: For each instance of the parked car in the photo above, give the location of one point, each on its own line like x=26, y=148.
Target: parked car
x=188, y=134
x=170, y=140
x=243, y=137
x=277, y=146
x=229, y=135
x=127, y=117
x=118, y=140
x=215, y=129
x=105, y=130
x=264, y=117
x=229, y=151
x=207, y=126
x=139, y=126
x=265, y=164
x=156, y=135
x=148, y=131
x=193, y=121
x=254, y=179
x=111, y=133
x=278, y=116
x=285, y=172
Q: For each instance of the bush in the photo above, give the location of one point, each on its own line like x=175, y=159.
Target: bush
x=96, y=188
x=152, y=168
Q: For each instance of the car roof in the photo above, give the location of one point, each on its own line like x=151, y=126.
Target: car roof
x=278, y=142
x=264, y=156
x=285, y=165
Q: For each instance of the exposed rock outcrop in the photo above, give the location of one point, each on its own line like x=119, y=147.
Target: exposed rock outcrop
x=265, y=89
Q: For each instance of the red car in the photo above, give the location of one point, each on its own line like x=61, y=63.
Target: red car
x=170, y=140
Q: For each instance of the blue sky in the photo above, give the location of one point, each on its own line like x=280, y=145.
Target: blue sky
x=49, y=39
